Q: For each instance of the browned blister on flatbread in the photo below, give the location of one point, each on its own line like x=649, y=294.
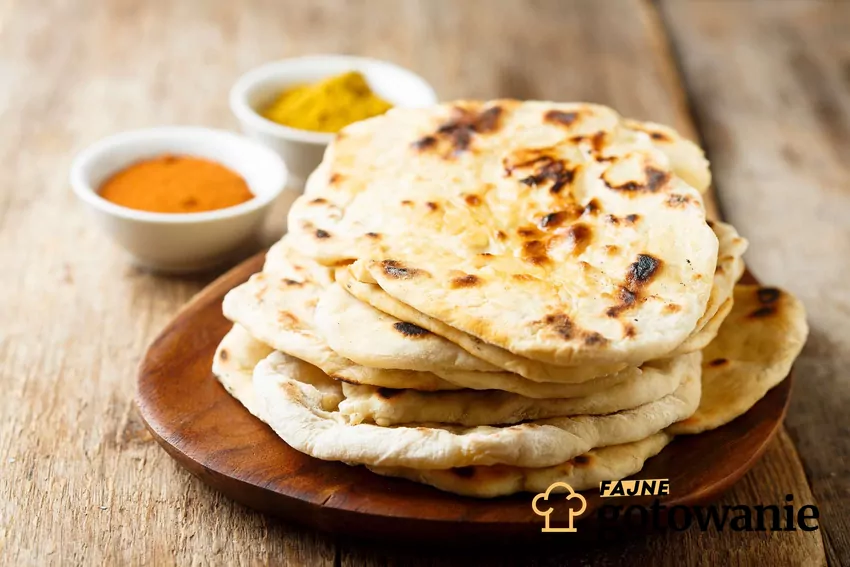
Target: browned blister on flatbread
x=486, y=207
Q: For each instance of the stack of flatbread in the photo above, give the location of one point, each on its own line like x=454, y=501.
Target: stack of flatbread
x=491, y=297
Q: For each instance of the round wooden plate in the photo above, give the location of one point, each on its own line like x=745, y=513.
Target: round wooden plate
x=214, y=437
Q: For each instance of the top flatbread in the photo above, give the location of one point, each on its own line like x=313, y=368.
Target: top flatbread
x=468, y=211
x=394, y=335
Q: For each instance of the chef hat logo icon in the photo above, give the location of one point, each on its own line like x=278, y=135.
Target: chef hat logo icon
x=573, y=513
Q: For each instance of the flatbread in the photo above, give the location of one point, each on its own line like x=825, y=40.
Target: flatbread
x=537, y=371
x=361, y=333
x=583, y=472
x=293, y=408
x=686, y=158
x=707, y=334
x=239, y=353
x=344, y=320
x=466, y=211
x=753, y=352
x=234, y=362
x=386, y=407
x=277, y=307
x=729, y=269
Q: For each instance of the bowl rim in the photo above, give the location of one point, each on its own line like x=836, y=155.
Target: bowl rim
x=245, y=113
x=86, y=192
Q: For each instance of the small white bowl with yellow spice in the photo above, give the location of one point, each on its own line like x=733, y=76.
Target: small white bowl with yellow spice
x=295, y=106
x=179, y=199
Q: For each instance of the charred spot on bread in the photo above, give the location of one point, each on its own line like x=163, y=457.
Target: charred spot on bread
x=287, y=318
x=396, y=270
x=560, y=324
x=678, y=201
x=223, y=354
x=654, y=179
x=553, y=219
x=545, y=165
x=409, y=329
x=640, y=273
x=643, y=270
x=388, y=393
x=463, y=472
x=592, y=207
x=672, y=308
x=468, y=280
x=628, y=219
x=762, y=312
x=557, y=218
x=592, y=338
x=458, y=131
x=768, y=295
x=424, y=143
x=582, y=459
x=534, y=252
x=560, y=117
x=554, y=171
x=718, y=362
x=579, y=236
x=472, y=200
x=322, y=233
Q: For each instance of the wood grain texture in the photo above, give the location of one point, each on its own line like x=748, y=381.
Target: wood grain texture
x=780, y=149
x=82, y=483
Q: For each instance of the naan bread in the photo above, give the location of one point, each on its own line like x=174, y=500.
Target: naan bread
x=234, y=362
x=534, y=370
x=385, y=407
x=361, y=333
x=686, y=158
x=239, y=353
x=277, y=307
x=583, y=472
x=753, y=352
x=466, y=211
x=344, y=319
x=293, y=408
x=707, y=334
x=729, y=269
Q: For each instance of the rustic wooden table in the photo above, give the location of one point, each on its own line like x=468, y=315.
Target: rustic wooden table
x=765, y=86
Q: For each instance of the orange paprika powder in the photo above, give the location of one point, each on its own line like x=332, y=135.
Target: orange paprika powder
x=176, y=184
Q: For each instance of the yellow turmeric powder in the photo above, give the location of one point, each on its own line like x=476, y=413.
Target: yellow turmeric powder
x=176, y=184
x=327, y=106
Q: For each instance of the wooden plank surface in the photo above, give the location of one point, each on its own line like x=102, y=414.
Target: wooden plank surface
x=84, y=483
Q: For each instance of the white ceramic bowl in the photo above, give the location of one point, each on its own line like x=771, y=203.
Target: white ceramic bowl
x=302, y=150
x=180, y=242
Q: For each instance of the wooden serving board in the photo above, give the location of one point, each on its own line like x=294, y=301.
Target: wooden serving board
x=215, y=438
